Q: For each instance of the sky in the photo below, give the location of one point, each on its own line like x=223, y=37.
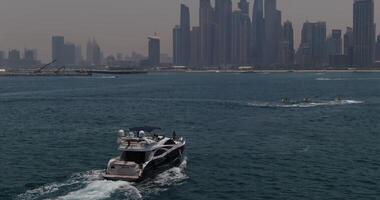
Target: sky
x=122, y=26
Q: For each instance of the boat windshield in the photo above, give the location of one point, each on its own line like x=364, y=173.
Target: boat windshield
x=137, y=157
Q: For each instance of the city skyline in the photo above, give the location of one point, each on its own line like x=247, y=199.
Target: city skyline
x=115, y=38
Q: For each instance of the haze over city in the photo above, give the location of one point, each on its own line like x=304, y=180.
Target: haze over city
x=123, y=26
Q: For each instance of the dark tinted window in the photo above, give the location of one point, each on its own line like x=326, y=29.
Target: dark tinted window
x=159, y=152
x=137, y=157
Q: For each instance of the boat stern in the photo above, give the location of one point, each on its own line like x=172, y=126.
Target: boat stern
x=123, y=171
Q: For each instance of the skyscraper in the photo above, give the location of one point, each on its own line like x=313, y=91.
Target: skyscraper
x=240, y=45
x=287, y=50
x=312, y=50
x=185, y=35
x=378, y=48
x=243, y=5
x=58, y=48
x=195, y=47
x=222, y=44
x=273, y=37
x=94, y=53
x=334, y=43
x=69, y=54
x=349, y=45
x=207, y=29
x=364, y=33
x=258, y=33
x=177, y=56
x=154, y=51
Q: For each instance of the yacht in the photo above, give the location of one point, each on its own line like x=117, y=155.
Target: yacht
x=144, y=153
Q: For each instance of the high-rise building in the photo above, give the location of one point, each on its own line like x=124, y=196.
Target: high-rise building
x=312, y=50
x=177, y=56
x=154, y=51
x=222, y=44
x=58, y=48
x=78, y=54
x=207, y=29
x=287, y=50
x=240, y=45
x=273, y=25
x=258, y=33
x=94, y=53
x=378, y=48
x=2, y=58
x=14, y=58
x=69, y=54
x=243, y=5
x=185, y=35
x=195, y=47
x=349, y=45
x=334, y=43
x=181, y=39
x=364, y=33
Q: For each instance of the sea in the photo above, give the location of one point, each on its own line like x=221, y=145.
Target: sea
x=58, y=133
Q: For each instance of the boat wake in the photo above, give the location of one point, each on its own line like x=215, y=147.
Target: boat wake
x=90, y=186
x=347, y=79
x=304, y=105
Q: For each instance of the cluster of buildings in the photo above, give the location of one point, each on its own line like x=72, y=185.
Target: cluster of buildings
x=16, y=59
x=229, y=38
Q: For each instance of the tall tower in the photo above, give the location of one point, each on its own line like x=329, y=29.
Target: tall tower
x=207, y=28
x=364, y=33
x=58, y=49
x=244, y=6
x=273, y=37
x=222, y=44
x=258, y=32
x=154, y=50
x=287, y=50
x=378, y=49
x=185, y=35
x=177, y=58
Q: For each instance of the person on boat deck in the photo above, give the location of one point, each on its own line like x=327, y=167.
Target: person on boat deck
x=174, y=135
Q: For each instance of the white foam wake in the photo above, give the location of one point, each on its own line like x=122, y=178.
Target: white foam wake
x=102, y=189
x=90, y=186
x=304, y=105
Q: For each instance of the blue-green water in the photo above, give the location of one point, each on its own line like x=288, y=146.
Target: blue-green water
x=57, y=134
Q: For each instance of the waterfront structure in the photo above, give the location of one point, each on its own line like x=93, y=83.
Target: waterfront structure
x=154, y=52
x=287, y=47
x=273, y=25
x=223, y=23
x=363, y=33
x=195, y=47
x=58, y=48
x=207, y=29
x=258, y=33
x=378, y=48
x=312, y=50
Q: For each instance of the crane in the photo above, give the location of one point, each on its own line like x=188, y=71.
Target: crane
x=43, y=67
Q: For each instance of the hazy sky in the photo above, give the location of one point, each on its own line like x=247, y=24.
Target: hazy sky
x=123, y=25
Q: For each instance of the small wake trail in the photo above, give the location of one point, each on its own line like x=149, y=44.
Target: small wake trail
x=91, y=186
x=305, y=105
x=102, y=189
